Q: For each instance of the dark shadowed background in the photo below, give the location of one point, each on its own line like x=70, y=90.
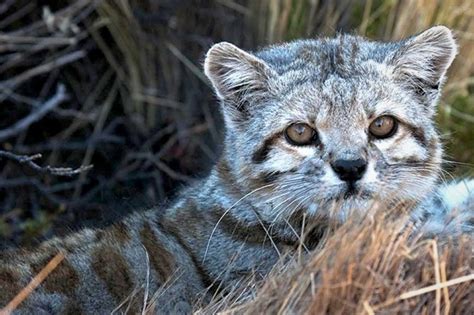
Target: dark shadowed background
x=138, y=106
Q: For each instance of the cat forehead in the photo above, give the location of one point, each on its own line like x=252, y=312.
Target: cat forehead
x=336, y=71
x=339, y=54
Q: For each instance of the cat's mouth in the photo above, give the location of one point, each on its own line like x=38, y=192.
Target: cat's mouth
x=348, y=193
x=355, y=191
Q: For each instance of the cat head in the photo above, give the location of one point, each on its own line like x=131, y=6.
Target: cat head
x=345, y=120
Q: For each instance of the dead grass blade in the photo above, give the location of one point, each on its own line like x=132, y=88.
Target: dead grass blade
x=34, y=283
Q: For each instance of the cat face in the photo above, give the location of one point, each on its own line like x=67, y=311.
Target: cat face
x=330, y=126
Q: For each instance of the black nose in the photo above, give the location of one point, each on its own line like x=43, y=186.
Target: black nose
x=349, y=170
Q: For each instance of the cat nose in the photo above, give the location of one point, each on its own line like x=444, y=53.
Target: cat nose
x=349, y=170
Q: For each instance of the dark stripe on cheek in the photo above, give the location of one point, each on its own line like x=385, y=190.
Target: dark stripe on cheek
x=261, y=154
x=418, y=135
x=270, y=177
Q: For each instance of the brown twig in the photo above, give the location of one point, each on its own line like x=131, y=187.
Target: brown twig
x=28, y=161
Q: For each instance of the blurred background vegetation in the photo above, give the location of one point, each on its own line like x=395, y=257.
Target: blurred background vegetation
x=139, y=108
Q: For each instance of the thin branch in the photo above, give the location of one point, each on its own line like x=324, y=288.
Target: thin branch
x=28, y=160
x=43, y=68
x=35, y=115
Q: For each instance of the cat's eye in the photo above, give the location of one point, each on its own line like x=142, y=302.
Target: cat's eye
x=383, y=127
x=300, y=134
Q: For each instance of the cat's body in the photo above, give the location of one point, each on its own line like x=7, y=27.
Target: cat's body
x=317, y=130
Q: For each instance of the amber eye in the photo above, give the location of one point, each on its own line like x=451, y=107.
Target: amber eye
x=383, y=127
x=300, y=134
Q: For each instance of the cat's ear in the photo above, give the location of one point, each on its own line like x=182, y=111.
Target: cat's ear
x=422, y=60
x=237, y=76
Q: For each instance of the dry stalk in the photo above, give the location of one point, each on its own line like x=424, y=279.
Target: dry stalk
x=34, y=283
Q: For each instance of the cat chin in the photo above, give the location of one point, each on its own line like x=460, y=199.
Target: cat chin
x=353, y=203
x=340, y=211
x=352, y=195
x=344, y=204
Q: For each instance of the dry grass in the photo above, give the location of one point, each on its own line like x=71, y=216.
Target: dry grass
x=366, y=267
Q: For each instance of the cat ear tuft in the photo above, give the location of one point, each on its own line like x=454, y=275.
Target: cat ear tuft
x=424, y=58
x=235, y=74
